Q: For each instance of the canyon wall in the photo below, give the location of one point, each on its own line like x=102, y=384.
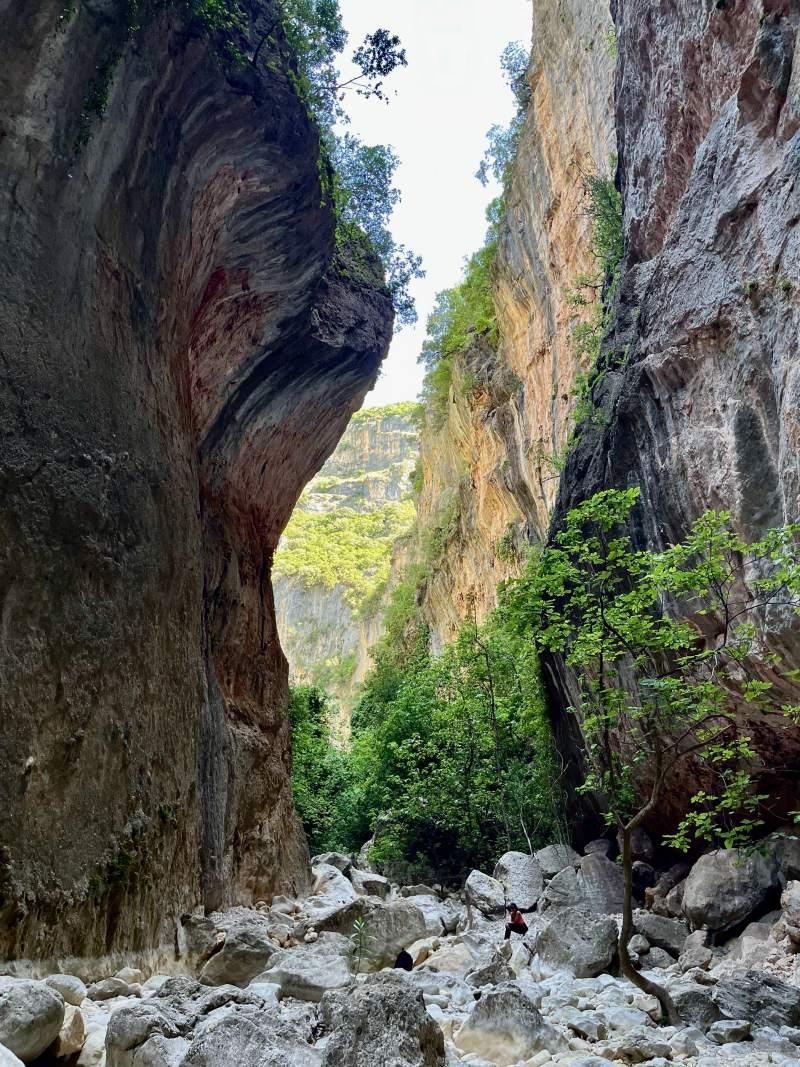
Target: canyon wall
x=700, y=399
x=492, y=463
x=181, y=352
x=333, y=565
x=694, y=109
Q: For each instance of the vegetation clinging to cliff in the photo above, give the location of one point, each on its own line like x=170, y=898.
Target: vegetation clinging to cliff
x=357, y=177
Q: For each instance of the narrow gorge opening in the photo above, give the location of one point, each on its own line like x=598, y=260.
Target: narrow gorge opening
x=400, y=572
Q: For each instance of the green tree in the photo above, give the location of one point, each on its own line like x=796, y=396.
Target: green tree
x=321, y=773
x=503, y=141
x=365, y=200
x=658, y=689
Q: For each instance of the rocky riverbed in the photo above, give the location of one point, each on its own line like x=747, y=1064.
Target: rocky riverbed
x=310, y=983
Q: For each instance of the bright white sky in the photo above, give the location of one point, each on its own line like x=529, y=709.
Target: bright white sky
x=446, y=99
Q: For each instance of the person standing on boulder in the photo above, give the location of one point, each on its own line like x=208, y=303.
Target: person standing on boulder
x=516, y=923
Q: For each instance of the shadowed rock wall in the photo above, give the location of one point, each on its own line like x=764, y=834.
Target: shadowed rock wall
x=180, y=355
x=701, y=393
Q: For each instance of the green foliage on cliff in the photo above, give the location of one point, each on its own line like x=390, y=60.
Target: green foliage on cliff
x=405, y=409
x=357, y=177
x=459, y=314
x=503, y=141
x=343, y=547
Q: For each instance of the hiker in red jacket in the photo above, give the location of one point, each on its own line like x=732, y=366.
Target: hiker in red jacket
x=516, y=923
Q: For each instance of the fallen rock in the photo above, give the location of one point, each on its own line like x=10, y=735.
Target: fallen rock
x=244, y=954
x=655, y=959
x=383, y=1021
x=71, y=988
x=505, y=1027
x=130, y=1026
x=521, y=877
x=485, y=893
x=725, y=887
x=310, y=971
x=728, y=1030
x=330, y=889
x=601, y=884
x=8, y=1059
x=660, y=897
x=555, y=858
x=695, y=1004
x=600, y=846
x=93, y=1053
x=495, y=972
x=578, y=941
x=563, y=890
x=368, y=884
x=390, y=928
x=760, y=998
x=108, y=988
x=441, y=916
x=158, y=1051
x=638, y=1046
x=31, y=1016
x=198, y=938
x=72, y=1034
x=338, y=860
x=363, y=861
x=249, y=1037
x=790, y=903
x=695, y=952
x=420, y=890
x=664, y=933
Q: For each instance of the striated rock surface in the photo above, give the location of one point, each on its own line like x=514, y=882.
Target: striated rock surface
x=491, y=466
x=699, y=399
x=180, y=354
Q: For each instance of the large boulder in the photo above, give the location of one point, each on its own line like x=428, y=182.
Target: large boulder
x=578, y=941
x=521, y=877
x=665, y=933
x=198, y=938
x=244, y=954
x=555, y=858
x=485, y=893
x=602, y=884
x=726, y=887
x=505, y=1027
x=330, y=887
x=695, y=1003
x=339, y=860
x=441, y=916
x=642, y=847
x=369, y=885
x=71, y=1036
x=563, y=890
x=790, y=903
x=310, y=971
x=248, y=1037
x=160, y=1051
x=389, y=929
x=383, y=1021
x=759, y=997
x=132, y=1025
x=31, y=1015
x=71, y=988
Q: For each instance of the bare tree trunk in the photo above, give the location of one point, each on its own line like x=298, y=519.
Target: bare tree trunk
x=668, y=1009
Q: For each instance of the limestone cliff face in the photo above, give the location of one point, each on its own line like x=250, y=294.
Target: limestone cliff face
x=348, y=519
x=703, y=412
x=180, y=355
x=495, y=461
